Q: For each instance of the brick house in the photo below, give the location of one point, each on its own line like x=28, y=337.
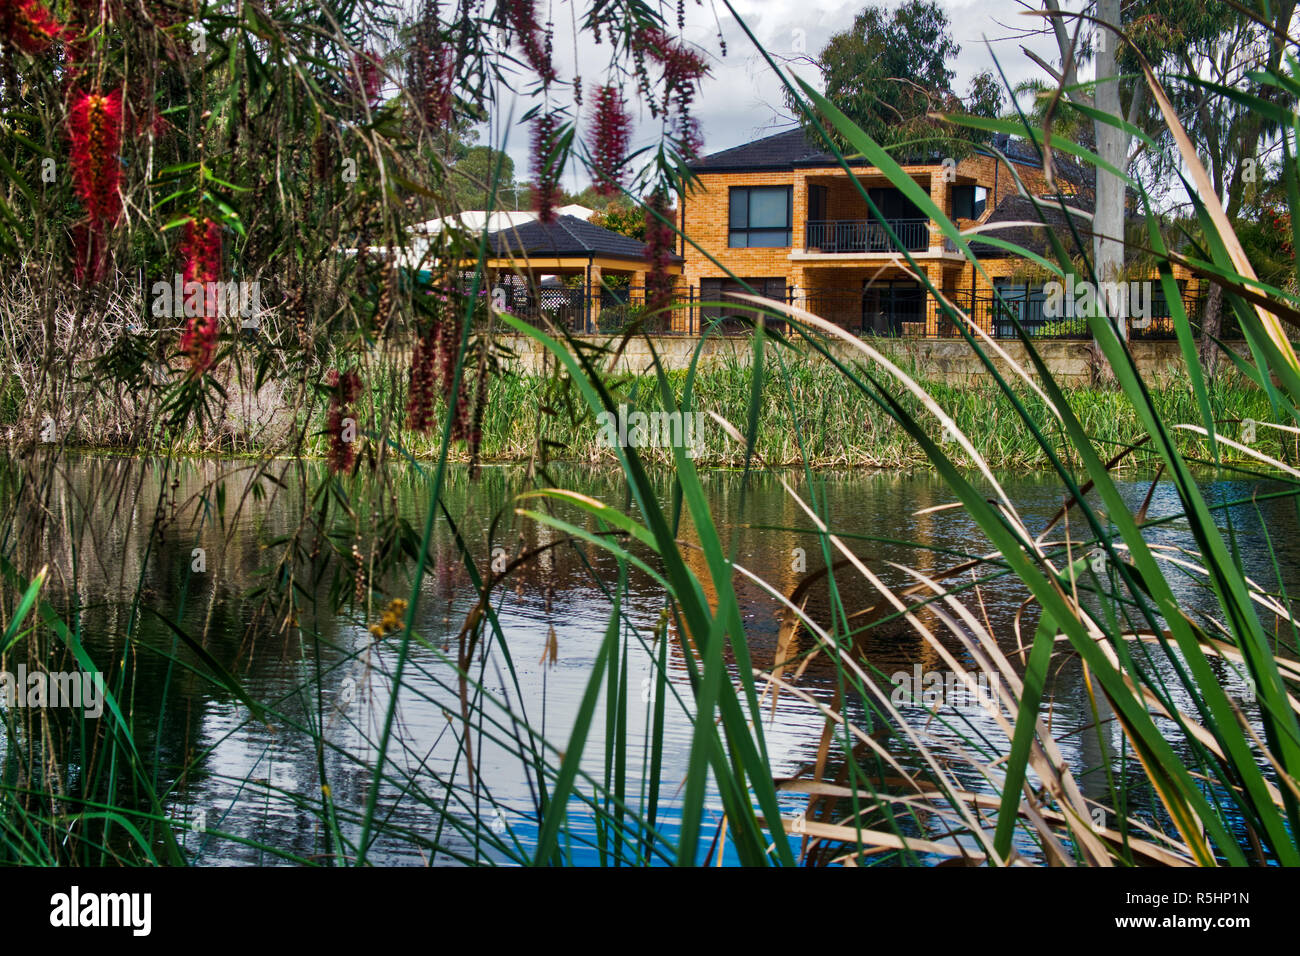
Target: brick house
x=783, y=215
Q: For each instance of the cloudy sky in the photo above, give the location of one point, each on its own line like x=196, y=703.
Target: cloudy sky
x=742, y=99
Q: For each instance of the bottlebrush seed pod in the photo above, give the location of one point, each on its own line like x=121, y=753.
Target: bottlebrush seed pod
x=385, y=306
x=95, y=127
x=419, y=398
x=611, y=136
x=345, y=389
x=322, y=156
x=28, y=25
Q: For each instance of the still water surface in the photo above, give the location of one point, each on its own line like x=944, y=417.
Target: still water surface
x=235, y=775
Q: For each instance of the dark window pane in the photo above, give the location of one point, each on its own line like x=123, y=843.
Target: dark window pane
x=739, y=208
x=768, y=238
x=963, y=202
x=738, y=240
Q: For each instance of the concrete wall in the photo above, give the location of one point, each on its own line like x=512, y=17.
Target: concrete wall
x=950, y=360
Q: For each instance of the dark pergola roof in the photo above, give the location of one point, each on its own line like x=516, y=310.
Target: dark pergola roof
x=795, y=148
x=1033, y=238
x=1047, y=214
x=566, y=236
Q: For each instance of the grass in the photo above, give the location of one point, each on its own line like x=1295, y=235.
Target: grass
x=813, y=411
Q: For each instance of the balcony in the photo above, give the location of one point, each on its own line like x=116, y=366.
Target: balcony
x=866, y=236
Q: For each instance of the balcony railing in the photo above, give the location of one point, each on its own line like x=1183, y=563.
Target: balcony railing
x=866, y=235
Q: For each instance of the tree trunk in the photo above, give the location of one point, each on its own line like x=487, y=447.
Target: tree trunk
x=1211, y=328
x=1112, y=146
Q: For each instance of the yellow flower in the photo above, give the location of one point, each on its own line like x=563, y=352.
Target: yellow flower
x=389, y=621
x=377, y=630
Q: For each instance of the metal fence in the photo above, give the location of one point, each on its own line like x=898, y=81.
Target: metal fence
x=899, y=310
x=862, y=235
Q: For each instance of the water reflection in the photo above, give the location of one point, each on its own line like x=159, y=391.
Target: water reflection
x=217, y=567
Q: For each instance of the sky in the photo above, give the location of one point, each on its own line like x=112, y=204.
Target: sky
x=741, y=100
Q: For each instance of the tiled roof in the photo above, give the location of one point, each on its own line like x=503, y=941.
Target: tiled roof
x=795, y=148
x=1033, y=237
x=565, y=236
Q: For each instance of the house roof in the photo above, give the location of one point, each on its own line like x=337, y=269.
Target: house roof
x=1037, y=220
x=474, y=220
x=565, y=236
x=795, y=148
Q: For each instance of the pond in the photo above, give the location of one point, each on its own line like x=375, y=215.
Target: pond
x=244, y=790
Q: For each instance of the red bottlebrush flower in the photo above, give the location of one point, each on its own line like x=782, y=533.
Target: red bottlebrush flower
x=201, y=262
x=433, y=71
x=522, y=17
x=96, y=132
x=690, y=141
x=682, y=67
x=658, y=252
x=611, y=135
x=28, y=25
x=201, y=251
x=546, y=167
x=369, y=77
x=341, y=423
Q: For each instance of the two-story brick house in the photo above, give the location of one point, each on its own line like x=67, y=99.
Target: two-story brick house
x=783, y=215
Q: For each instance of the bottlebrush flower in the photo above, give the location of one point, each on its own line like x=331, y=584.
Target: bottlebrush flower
x=345, y=389
x=369, y=77
x=28, y=25
x=433, y=370
x=690, y=141
x=682, y=67
x=420, y=393
x=546, y=167
x=611, y=135
x=201, y=262
x=658, y=252
x=201, y=251
x=96, y=132
x=432, y=70
x=522, y=17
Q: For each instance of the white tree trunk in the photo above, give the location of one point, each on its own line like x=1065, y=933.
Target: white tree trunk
x=1112, y=146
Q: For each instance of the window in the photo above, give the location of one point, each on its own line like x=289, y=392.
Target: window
x=968, y=201
x=887, y=305
x=759, y=217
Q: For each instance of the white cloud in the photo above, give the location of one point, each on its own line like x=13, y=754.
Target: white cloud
x=742, y=98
